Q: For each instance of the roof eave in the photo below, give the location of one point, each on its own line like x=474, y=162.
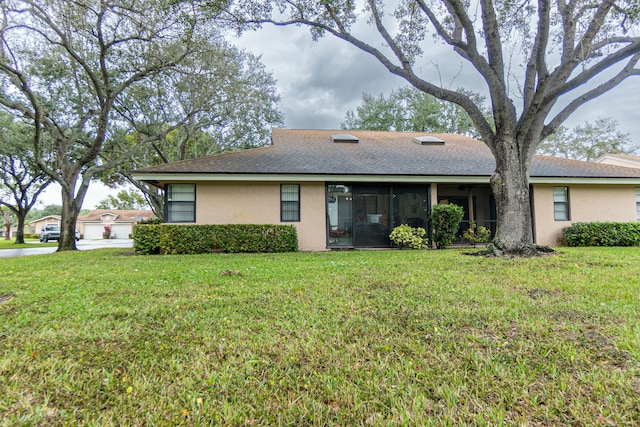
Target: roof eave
x=601, y=159
x=585, y=180
x=160, y=178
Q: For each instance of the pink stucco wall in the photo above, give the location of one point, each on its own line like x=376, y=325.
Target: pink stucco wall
x=259, y=203
x=586, y=203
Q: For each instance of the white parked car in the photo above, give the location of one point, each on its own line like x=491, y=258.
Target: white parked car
x=52, y=232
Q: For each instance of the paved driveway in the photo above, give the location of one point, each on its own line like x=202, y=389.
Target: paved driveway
x=83, y=245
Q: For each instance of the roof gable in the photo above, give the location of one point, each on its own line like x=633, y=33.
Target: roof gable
x=108, y=216
x=117, y=215
x=625, y=160
x=54, y=218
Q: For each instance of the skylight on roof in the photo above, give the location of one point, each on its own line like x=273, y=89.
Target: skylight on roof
x=427, y=140
x=344, y=137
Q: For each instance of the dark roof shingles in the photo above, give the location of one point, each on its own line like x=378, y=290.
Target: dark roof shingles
x=377, y=153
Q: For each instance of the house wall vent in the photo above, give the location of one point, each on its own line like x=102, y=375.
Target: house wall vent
x=344, y=137
x=427, y=140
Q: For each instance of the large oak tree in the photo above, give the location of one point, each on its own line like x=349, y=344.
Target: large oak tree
x=221, y=100
x=66, y=65
x=538, y=62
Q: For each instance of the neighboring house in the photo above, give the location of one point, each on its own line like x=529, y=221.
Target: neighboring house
x=625, y=160
x=350, y=189
x=36, y=225
x=120, y=222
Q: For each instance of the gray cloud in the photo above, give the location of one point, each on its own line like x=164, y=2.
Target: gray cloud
x=319, y=81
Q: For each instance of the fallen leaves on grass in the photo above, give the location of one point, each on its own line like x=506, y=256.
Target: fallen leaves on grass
x=230, y=273
x=5, y=298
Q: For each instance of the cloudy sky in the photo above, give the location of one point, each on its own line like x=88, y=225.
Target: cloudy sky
x=320, y=81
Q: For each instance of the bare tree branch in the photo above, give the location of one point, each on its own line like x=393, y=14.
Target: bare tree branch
x=627, y=72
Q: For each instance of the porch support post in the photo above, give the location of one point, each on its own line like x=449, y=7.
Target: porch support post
x=434, y=195
x=470, y=201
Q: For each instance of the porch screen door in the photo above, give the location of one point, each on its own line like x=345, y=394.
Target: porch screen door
x=371, y=206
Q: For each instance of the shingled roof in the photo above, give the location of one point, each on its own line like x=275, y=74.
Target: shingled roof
x=376, y=153
x=626, y=160
x=120, y=215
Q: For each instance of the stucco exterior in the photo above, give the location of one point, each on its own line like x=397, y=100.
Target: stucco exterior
x=587, y=203
x=259, y=203
x=36, y=225
x=364, y=173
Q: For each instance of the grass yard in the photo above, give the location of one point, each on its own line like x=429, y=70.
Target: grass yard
x=28, y=243
x=340, y=338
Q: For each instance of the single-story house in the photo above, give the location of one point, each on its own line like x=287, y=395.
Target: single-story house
x=36, y=225
x=350, y=188
x=119, y=222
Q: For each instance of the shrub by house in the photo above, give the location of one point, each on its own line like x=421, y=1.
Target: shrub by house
x=196, y=239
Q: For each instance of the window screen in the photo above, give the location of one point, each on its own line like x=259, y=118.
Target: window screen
x=289, y=202
x=561, y=203
x=181, y=203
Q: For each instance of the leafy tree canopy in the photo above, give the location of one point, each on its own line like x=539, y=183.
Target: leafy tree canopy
x=82, y=71
x=234, y=103
x=45, y=211
x=23, y=180
x=410, y=110
x=588, y=141
x=124, y=200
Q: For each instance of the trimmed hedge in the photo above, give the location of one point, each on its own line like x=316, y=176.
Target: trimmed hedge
x=602, y=234
x=445, y=221
x=198, y=239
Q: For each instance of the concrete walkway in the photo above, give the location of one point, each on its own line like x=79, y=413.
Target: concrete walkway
x=83, y=245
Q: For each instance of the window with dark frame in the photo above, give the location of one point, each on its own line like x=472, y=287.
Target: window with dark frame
x=290, y=202
x=638, y=203
x=180, y=203
x=561, y=203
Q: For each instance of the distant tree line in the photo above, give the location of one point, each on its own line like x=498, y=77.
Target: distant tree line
x=91, y=90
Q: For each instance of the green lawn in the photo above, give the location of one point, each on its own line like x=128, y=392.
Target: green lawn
x=341, y=338
x=29, y=243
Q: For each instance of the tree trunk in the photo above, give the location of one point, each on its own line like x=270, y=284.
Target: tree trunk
x=70, y=214
x=510, y=185
x=155, y=200
x=5, y=214
x=20, y=230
